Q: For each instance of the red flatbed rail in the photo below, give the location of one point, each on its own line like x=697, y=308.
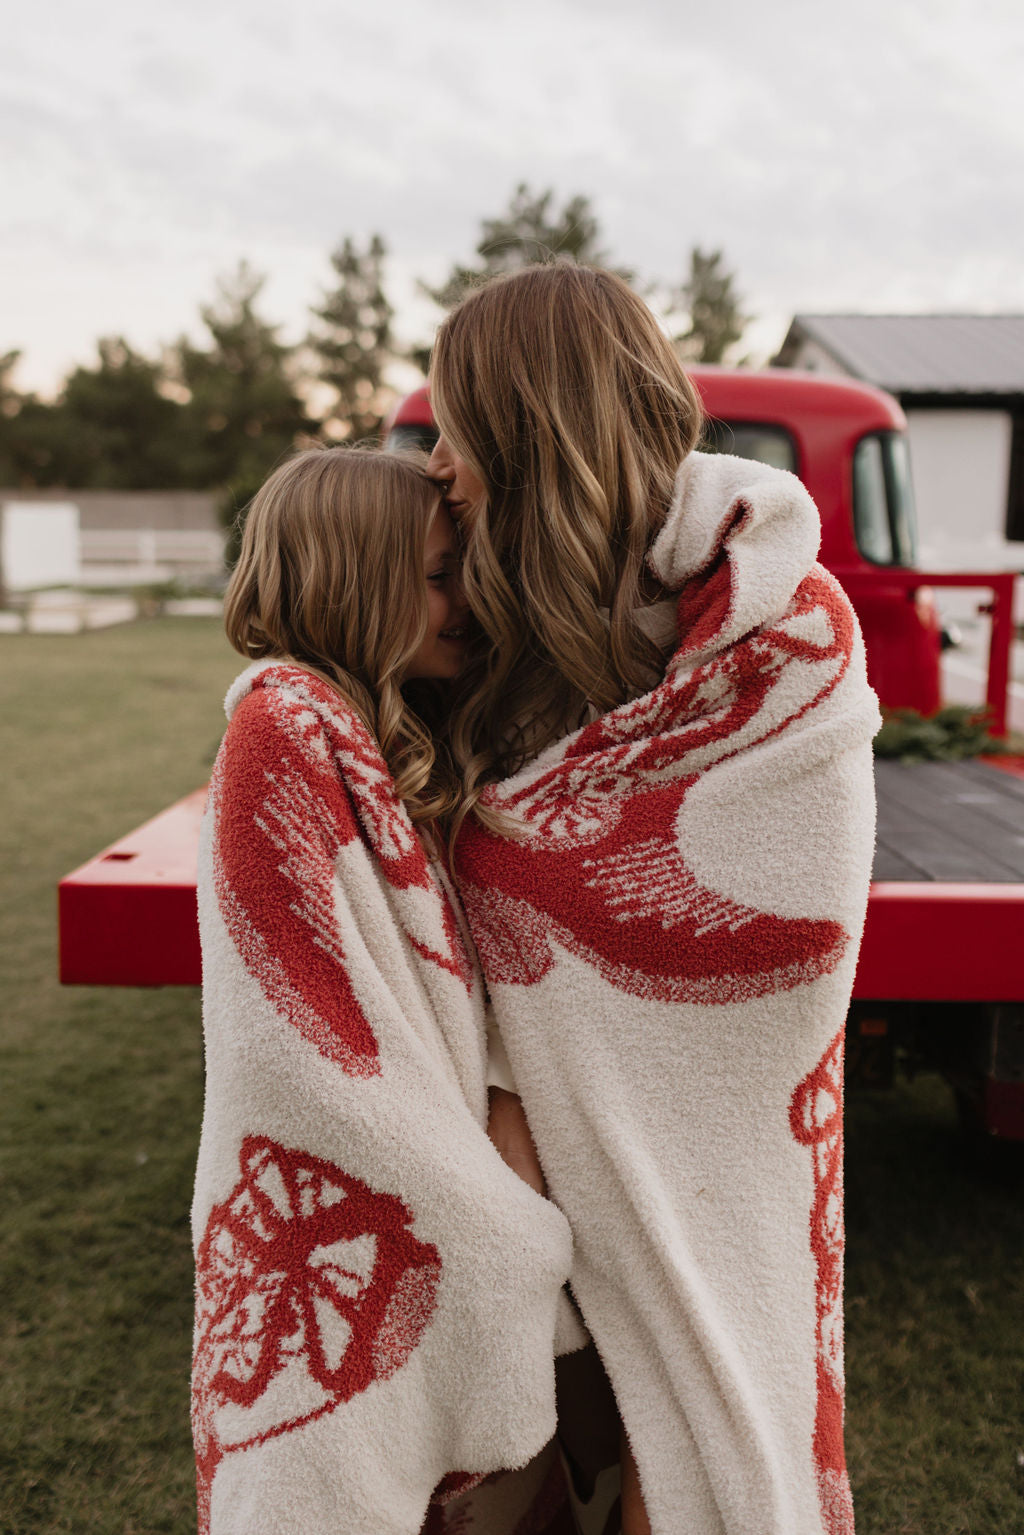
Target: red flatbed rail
x=128, y=916
x=942, y=943
x=945, y=915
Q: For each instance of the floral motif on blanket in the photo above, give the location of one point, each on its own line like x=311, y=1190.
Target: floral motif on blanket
x=816, y=1120
x=310, y=1286
x=298, y=780
x=600, y=870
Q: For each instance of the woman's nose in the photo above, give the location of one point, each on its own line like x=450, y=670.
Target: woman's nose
x=439, y=464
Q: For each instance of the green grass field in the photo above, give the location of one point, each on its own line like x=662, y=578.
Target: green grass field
x=102, y=1093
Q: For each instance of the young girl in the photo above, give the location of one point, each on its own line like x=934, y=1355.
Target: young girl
x=376, y=1291
x=665, y=741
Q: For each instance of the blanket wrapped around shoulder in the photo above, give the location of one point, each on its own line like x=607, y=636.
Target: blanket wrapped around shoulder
x=669, y=929
x=376, y=1292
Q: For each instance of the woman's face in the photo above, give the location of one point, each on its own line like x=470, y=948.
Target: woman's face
x=442, y=650
x=460, y=487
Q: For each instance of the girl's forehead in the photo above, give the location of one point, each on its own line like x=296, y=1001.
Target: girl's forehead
x=442, y=534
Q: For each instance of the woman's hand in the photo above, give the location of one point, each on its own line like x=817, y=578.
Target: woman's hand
x=508, y=1130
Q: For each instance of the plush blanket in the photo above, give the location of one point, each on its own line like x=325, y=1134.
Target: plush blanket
x=376, y=1291
x=669, y=929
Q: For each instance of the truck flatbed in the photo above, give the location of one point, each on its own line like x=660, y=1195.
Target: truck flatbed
x=945, y=915
x=941, y=821
x=945, y=918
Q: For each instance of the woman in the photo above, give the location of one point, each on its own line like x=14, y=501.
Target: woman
x=665, y=740
x=376, y=1291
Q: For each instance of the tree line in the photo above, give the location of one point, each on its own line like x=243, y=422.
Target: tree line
x=219, y=415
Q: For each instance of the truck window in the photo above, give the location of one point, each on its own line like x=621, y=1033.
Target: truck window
x=750, y=439
x=883, y=500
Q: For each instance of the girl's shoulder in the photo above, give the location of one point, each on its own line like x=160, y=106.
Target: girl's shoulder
x=291, y=734
x=277, y=700
x=264, y=680
x=275, y=686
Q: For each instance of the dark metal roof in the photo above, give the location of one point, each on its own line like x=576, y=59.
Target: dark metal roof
x=921, y=353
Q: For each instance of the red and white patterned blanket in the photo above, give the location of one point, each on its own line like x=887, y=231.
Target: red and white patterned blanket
x=376, y=1291
x=669, y=937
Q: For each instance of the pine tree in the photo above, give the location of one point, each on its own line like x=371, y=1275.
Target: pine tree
x=14, y=470
x=529, y=231
x=353, y=344
x=10, y=399
x=243, y=397
x=112, y=427
x=709, y=299
x=119, y=430
x=244, y=410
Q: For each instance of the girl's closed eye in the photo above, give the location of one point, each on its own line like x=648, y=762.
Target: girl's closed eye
x=442, y=650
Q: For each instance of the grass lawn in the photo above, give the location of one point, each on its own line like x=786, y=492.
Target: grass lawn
x=100, y=1124
x=102, y=1091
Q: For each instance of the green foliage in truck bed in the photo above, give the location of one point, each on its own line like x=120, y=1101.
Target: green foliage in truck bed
x=950, y=735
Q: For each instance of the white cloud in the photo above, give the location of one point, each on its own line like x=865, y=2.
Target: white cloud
x=865, y=156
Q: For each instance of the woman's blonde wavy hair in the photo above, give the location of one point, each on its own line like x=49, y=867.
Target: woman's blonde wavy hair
x=559, y=389
x=331, y=577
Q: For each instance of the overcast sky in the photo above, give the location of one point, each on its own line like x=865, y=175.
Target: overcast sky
x=868, y=156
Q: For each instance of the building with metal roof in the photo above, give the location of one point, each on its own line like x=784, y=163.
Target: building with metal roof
x=915, y=355
x=960, y=380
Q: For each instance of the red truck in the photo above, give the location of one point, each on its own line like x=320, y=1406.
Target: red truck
x=940, y=980
x=847, y=442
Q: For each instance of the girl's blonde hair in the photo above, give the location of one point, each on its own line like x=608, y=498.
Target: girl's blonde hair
x=331, y=576
x=559, y=389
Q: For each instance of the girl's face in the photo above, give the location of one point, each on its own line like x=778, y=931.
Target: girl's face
x=460, y=487
x=442, y=650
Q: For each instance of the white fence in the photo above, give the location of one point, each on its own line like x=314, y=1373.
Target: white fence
x=134, y=556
